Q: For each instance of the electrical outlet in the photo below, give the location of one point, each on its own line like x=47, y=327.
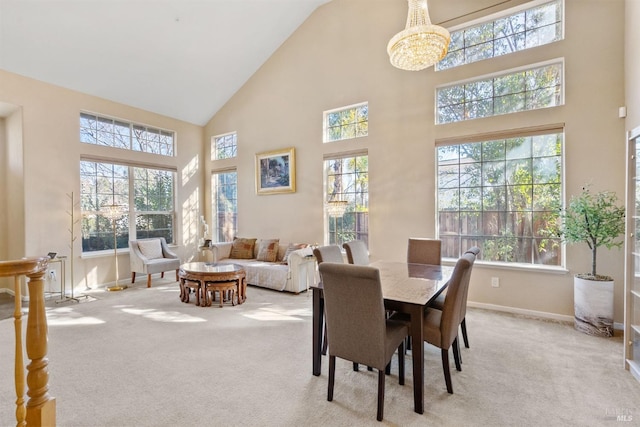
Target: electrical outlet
x=495, y=282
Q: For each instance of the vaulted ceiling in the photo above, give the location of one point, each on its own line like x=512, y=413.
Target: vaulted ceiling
x=179, y=58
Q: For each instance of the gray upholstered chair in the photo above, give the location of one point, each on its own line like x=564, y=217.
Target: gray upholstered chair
x=331, y=253
x=357, y=326
x=439, y=303
x=424, y=251
x=441, y=326
x=150, y=256
x=357, y=252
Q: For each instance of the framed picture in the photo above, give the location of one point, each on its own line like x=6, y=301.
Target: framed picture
x=276, y=171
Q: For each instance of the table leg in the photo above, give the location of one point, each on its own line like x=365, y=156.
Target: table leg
x=182, y=289
x=318, y=314
x=199, y=290
x=417, y=351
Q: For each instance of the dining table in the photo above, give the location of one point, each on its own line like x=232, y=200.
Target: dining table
x=406, y=288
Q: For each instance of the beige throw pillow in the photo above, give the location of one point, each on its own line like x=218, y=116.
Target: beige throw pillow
x=242, y=248
x=268, y=250
x=151, y=249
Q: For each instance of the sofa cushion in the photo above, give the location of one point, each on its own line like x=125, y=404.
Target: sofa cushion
x=267, y=250
x=242, y=248
x=151, y=249
x=292, y=247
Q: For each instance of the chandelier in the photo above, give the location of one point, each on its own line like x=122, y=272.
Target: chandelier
x=420, y=44
x=336, y=208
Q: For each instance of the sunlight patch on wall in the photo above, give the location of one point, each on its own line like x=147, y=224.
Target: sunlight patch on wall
x=190, y=170
x=190, y=209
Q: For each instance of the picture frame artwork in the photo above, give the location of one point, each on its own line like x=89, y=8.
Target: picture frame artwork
x=276, y=171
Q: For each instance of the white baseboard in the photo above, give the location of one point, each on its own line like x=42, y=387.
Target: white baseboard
x=531, y=313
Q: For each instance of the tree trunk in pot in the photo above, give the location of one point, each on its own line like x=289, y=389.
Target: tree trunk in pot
x=593, y=306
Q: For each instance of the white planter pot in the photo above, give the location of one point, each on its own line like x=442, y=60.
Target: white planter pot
x=593, y=306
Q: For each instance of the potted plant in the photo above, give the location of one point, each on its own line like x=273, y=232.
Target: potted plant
x=597, y=220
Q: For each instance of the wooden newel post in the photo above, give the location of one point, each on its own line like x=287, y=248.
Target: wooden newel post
x=41, y=408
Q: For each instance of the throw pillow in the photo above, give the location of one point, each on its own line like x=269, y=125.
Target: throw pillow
x=268, y=250
x=242, y=248
x=292, y=247
x=151, y=249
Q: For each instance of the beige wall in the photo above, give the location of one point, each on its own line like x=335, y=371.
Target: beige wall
x=338, y=57
x=47, y=134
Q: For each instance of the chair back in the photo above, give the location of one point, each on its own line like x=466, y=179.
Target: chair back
x=330, y=253
x=474, y=251
x=357, y=252
x=424, y=251
x=455, y=300
x=356, y=325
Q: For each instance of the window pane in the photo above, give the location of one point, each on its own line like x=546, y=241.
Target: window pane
x=224, y=187
x=507, y=200
x=104, y=184
x=124, y=135
x=347, y=179
x=539, y=87
x=347, y=123
x=511, y=33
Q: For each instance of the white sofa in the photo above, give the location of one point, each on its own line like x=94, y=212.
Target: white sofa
x=296, y=275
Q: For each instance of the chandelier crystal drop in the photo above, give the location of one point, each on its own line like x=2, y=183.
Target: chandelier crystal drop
x=336, y=208
x=421, y=44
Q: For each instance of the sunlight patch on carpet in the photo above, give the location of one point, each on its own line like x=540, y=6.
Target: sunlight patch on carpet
x=66, y=316
x=273, y=314
x=163, y=316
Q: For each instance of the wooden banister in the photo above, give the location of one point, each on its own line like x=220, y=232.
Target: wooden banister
x=40, y=409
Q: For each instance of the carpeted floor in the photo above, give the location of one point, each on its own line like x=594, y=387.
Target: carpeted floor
x=141, y=357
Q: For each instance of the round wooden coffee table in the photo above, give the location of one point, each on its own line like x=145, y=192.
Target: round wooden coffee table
x=196, y=275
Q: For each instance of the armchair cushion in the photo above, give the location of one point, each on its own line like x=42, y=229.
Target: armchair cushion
x=151, y=249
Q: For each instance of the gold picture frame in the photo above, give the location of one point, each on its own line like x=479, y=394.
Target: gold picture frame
x=276, y=171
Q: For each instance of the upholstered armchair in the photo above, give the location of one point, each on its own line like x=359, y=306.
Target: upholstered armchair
x=150, y=256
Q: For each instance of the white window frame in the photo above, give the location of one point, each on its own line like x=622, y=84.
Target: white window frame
x=494, y=76
x=219, y=232
x=526, y=7
x=326, y=125
x=224, y=142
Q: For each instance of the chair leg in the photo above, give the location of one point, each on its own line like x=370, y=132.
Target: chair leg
x=456, y=353
x=324, y=340
x=133, y=277
x=332, y=377
x=148, y=280
x=177, y=277
x=381, y=380
x=445, y=368
x=464, y=332
x=387, y=369
x=356, y=367
x=401, y=363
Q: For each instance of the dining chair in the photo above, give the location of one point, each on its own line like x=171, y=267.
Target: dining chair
x=330, y=253
x=357, y=325
x=357, y=252
x=441, y=326
x=424, y=251
x=438, y=303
